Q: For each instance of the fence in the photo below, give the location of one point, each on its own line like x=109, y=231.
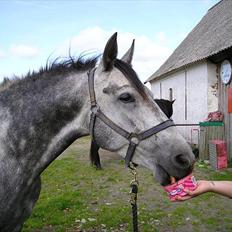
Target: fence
x=209, y=131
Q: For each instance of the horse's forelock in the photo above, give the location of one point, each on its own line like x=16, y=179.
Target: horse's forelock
x=131, y=75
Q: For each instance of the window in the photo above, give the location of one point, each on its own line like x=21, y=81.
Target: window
x=170, y=94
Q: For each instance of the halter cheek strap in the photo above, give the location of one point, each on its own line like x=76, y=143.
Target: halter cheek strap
x=133, y=138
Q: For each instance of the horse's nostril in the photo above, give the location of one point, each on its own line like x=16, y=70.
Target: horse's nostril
x=182, y=160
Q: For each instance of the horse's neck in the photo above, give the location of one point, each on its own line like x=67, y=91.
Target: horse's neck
x=46, y=121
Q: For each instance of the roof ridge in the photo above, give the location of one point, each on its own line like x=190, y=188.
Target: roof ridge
x=210, y=36
x=215, y=5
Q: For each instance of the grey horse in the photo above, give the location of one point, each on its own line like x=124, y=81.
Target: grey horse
x=46, y=111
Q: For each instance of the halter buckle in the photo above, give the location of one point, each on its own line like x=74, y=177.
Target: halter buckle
x=95, y=108
x=134, y=138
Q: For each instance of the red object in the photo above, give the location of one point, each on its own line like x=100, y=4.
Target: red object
x=222, y=162
x=178, y=188
x=230, y=99
x=215, y=116
x=220, y=147
x=218, y=156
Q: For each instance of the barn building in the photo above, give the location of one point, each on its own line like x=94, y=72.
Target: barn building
x=198, y=74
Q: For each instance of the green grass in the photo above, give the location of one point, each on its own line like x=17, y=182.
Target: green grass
x=76, y=197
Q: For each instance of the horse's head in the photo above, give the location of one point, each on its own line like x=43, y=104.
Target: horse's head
x=126, y=102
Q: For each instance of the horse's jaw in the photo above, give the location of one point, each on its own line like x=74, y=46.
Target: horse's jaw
x=162, y=170
x=161, y=175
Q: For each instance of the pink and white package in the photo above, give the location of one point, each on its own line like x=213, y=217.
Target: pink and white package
x=177, y=189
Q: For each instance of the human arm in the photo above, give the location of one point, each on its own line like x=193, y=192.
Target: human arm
x=223, y=188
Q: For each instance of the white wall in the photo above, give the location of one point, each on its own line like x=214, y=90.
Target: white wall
x=212, y=87
x=190, y=89
x=197, y=87
x=177, y=83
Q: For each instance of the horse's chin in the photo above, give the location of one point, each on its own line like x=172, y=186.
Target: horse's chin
x=163, y=177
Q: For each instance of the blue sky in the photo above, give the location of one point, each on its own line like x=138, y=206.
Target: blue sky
x=31, y=31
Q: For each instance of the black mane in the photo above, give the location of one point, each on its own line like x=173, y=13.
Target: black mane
x=65, y=65
x=56, y=67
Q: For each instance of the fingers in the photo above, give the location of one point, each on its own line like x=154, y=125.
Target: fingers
x=173, y=180
x=189, y=192
x=179, y=198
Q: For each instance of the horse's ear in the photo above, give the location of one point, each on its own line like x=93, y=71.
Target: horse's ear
x=173, y=101
x=129, y=54
x=110, y=52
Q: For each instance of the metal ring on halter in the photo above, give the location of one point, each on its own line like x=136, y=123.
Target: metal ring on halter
x=95, y=108
x=134, y=138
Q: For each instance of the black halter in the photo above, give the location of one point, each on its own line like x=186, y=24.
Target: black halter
x=132, y=137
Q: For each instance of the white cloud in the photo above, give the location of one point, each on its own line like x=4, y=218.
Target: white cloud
x=23, y=50
x=149, y=56
x=150, y=53
x=90, y=39
x=2, y=54
x=161, y=37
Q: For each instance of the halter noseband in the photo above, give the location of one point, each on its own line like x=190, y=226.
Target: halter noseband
x=133, y=138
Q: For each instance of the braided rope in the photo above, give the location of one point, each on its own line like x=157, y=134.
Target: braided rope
x=135, y=217
x=133, y=193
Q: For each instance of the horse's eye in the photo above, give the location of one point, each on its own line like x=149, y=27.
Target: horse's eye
x=126, y=98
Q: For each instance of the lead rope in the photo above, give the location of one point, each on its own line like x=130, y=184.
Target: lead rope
x=133, y=197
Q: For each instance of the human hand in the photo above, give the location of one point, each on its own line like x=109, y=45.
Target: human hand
x=203, y=186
